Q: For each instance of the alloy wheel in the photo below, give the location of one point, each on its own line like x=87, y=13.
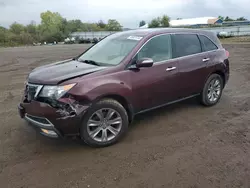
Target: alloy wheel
x=104, y=125
x=214, y=90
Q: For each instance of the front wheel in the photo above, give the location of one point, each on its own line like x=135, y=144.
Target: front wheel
x=104, y=124
x=212, y=90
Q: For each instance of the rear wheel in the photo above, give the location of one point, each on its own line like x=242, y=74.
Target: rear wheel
x=212, y=90
x=105, y=123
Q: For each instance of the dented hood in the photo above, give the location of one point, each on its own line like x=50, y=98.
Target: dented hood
x=61, y=71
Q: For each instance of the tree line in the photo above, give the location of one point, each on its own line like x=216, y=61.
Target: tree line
x=164, y=21
x=157, y=22
x=227, y=18
x=53, y=27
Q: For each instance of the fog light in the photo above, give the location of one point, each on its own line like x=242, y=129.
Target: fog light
x=49, y=132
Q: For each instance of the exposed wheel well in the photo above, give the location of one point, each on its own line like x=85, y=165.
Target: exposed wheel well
x=123, y=102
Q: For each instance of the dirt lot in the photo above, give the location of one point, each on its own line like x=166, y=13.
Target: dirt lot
x=182, y=145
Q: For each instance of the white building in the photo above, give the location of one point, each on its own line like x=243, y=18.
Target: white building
x=195, y=21
x=144, y=26
x=203, y=21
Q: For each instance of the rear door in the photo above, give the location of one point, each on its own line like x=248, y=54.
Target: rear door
x=192, y=63
x=156, y=85
x=210, y=48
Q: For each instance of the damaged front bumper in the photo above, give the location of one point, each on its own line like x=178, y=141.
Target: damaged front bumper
x=52, y=122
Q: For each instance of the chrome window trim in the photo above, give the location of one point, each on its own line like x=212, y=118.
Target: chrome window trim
x=177, y=58
x=210, y=40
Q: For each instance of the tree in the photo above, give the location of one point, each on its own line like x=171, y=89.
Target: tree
x=221, y=17
x=101, y=24
x=165, y=21
x=51, y=25
x=3, y=35
x=25, y=38
x=156, y=22
x=73, y=25
x=16, y=28
x=228, y=19
x=113, y=25
x=241, y=19
x=142, y=23
x=32, y=31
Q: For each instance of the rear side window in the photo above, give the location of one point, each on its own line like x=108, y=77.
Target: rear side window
x=208, y=45
x=186, y=44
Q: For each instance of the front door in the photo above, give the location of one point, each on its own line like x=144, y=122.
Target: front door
x=156, y=85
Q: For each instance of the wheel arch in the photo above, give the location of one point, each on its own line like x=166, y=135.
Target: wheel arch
x=122, y=100
x=219, y=72
x=222, y=74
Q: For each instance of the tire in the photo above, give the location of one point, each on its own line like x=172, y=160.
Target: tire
x=93, y=115
x=206, y=96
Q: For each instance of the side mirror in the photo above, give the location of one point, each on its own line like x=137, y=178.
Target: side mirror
x=144, y=62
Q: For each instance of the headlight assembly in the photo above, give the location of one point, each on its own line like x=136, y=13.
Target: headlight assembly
x=55, y=92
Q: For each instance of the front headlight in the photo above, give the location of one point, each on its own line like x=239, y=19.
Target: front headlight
x=55, y=92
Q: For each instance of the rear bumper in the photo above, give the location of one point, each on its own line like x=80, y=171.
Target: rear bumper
x=49, y=121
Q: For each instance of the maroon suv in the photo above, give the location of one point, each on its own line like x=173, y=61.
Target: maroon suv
x=97, y=94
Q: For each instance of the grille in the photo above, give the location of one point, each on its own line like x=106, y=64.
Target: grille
x=32, y=91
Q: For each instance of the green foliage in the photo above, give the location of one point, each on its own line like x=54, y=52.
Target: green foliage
x=53, y=27
x=156, y=22
x=227, y=18
x=160, y=22
x=221, y=17
x=113, y=25
x=17, y=28
x=165, y=21
x=241, y=19
x=101, y=24
x=142, y=23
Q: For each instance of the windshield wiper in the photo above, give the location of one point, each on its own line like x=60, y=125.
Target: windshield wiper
x=90, y=62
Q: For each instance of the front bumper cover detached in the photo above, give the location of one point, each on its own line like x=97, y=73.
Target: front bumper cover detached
x=50, y=121
x=42, y=125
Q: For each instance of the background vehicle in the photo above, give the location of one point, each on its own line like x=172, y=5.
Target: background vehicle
x=97, y=94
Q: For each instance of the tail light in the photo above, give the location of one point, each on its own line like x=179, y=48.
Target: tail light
x=227, y=53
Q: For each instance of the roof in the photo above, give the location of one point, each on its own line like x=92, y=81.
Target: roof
x=144, y=33
x=152, y=31
x=194, y=21
x=212, y=21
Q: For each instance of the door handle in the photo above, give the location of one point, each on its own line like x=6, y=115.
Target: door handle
x=170, y=68
x=205, y=59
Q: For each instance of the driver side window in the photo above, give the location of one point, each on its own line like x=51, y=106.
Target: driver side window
x=158, y=48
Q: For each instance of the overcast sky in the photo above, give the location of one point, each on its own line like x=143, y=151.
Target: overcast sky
x=127, y=12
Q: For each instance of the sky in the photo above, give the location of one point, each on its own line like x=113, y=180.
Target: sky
x=127, y=12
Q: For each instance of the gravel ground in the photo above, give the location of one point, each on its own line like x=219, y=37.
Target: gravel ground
x=182, y=145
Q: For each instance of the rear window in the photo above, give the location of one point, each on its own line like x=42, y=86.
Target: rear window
x=186, y=44
x=208, y=45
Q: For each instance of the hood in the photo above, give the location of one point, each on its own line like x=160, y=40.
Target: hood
x=58, y=72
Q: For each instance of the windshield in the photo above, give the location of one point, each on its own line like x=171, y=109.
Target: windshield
x=111, y=50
